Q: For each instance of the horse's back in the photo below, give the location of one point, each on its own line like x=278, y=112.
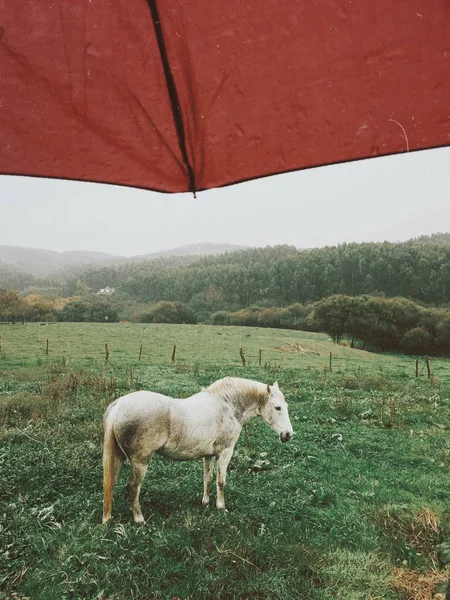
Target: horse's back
x=143, y=402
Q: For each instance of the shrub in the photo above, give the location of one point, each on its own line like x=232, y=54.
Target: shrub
x=416, y=341
x=220, y=318
x=269, y=317
x=294, y=317
x=95, y=311
x=22, y=406
x=169, y=312
x=245, y=317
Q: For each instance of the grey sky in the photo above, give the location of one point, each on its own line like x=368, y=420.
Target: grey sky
x=391, y=198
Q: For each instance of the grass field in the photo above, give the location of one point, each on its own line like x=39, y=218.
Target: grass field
x=356, y=506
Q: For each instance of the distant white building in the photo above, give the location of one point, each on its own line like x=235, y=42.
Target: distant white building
x=106, y=290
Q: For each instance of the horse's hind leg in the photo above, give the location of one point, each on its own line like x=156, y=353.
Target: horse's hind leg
x=138, y=471
x=208, y=464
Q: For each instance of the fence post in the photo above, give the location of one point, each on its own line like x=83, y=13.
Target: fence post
x=140, y=352
x=0, y=343
x=427, y=361
x=46, y=348
x=106, y=352
x=259, y=360
x=173, y=353
x=331, y=358
x=417, y=368
x=242, y=357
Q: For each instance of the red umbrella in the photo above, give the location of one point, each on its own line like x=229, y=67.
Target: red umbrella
x=175, y=95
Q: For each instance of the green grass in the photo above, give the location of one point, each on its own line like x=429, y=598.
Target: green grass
x=204, y=345
x=353, y=506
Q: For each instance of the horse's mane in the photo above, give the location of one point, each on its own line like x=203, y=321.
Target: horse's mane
x=239, y=392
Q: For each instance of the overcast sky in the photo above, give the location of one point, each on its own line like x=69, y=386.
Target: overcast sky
x=391, y=198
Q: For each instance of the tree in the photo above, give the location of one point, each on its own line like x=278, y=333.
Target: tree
x=12, y=306
x=39, y=309
x=442, y=339
x=330, y=315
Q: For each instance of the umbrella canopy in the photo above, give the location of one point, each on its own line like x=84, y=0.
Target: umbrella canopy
x=182, y=96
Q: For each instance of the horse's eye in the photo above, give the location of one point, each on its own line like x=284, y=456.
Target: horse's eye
x=277, y=407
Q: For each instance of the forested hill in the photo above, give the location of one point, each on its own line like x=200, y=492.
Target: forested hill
x=45, y=263
x=418, y=269
x=41, y=263
x=12, y=278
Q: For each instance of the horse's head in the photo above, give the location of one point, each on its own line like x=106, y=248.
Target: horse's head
x=275, y=413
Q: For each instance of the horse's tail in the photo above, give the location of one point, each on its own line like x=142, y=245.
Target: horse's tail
x=112, y=461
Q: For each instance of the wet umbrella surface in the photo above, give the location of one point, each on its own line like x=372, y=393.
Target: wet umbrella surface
x=183, y=96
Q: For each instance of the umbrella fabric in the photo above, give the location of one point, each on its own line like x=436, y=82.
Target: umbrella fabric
x=181, y=95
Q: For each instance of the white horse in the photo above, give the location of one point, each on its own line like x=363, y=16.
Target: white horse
x=206, y=425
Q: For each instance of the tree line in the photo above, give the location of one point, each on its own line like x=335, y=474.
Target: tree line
x=365, y=322
x=372, y=293
x=15, y=308
x=371, y=322
x=272, y=276
x=282, y=275
x=386, y=324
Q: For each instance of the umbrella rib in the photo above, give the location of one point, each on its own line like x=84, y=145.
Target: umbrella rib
x=173, y=94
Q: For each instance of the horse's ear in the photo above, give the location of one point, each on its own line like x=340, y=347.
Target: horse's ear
x=268, y=388
x=275, y=385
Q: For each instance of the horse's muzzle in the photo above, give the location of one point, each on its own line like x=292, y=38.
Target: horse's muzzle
x=285, y=436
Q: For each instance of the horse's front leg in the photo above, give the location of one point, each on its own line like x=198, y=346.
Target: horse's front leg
x=222, y=465
x=208, y=464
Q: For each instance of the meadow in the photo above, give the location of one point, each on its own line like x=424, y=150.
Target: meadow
x=354, y=507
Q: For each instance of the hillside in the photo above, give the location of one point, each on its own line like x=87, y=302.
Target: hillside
x=42, y=263
x=191, y=250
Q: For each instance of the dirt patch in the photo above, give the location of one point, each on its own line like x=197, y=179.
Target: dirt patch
x=419, y=529
x=413, y=585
